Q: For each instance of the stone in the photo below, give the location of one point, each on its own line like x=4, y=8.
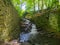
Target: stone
x=9, y=21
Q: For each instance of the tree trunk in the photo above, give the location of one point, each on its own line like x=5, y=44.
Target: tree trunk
x=38, y=5
x=42, y=5
x=34, y=5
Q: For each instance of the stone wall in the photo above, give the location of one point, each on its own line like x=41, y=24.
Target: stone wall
x=9, y=21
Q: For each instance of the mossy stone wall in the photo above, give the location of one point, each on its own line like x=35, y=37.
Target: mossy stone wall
x=9, y=21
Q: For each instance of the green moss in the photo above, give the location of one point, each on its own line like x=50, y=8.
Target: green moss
x=9, y=21
x=41, y=21
x=7, y=2
x=53, y=22
x=49, y=22
x=59, y=22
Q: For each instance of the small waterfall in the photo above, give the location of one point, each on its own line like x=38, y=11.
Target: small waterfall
x=26, y=21
x=34, y=29
x=32, y=33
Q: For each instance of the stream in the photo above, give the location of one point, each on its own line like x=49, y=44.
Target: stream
x=31, y=36
x=29, y=31
x=37, y=37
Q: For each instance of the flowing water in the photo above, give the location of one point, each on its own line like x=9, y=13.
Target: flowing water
x=38, y=38
x=24, y=37
x=34, y=37
x=33, y=31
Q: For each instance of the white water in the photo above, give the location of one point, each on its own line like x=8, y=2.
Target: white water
x=33, y=30
x=25, y=37
x=26, y=21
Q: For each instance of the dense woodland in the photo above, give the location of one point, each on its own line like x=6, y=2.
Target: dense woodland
x=35, y=5
x=44, y=13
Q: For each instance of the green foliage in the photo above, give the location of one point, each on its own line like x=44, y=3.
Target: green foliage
x=58, y=22
x=49, y=22
x=16, y=4
x=30, y=5
x=53, y=21
x=41, y=21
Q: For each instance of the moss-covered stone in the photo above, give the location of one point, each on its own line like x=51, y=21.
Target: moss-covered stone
x=41, y=21
x=9, y=21
x=53, y=22
x=48, y=22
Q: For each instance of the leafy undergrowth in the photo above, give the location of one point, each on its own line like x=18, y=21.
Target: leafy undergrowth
x=45, y=38
x=49, y=22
